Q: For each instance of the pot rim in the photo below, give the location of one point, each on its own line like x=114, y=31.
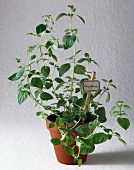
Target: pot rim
x=55, y=128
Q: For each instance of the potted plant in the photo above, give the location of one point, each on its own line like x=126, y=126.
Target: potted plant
x=74, y=117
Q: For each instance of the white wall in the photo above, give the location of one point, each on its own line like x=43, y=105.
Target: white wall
x=108, y=36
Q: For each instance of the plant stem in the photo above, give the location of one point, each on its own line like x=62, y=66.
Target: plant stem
x=117, y=122
x=102, y=94
x=115, y=127
x=38, y=66
x=57, y=62
x=76, y=123
x=71, y=21
x=31, y=95
x=41, y=46
x=73, y=66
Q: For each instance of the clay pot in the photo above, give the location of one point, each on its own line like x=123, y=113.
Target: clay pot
x=61, y=154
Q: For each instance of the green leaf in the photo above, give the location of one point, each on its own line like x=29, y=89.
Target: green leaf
x=39, y=113
x=84, y=116
x=63, y=69
x=82, y=60
x=60, y=103
x=80, y=102
x=99, y=138
x=95, y=62
x=127, y=107
x=36, y=93
x=40, y=28
x=9, y=84
x=44, y=116
x=83, y=129
x=59, y=85
x=22, y=96
x=77, y=90
x=49, y=44
x=79, y=69
x=27, y=86
x=37, y=82
x=113, y=86
x=45, y=70
x=67, y=130
x=108, y=97
x=112, y=110
x=107, y=130
x=71, y=140
x=106, y=81
x=69, y=150
x=117, y=134
x=87, y=55
x=69, y=40
x=60, y=15
x=109, y=136
x=54, y=57
x=18, y=60
x=74, y=99
x=73, y=9
x=13, y=77
x=58, y=80
x=55, y=141
x=123, y=122
x=86, y=149
x=110, y=81
x=32, y=57
x=69, y=117
x=31, y=48
x=81, y=19
x=77, y=52
x=79, y=162
x=20, y=73
x=51, y=125
x=97, y=93
x=122, y=141
x=93, y=125
x=48, y=84
x=59, y=122
x=101, y=113
x=119, y=103
x=46, y=96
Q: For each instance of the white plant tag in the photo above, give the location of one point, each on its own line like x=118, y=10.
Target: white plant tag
x=91, y=85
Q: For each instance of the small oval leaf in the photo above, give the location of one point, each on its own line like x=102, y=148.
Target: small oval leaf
x=99, y=138
x=37, y=82
x=79, y=69
x=63, y=69
x=123, y=122
x=60, y=15
x=46, y=96
x=40, y=28
x=55, y=141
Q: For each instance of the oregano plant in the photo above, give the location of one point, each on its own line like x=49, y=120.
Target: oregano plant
x=60, y=94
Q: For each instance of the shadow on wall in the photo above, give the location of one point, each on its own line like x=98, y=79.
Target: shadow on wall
x=111, y=158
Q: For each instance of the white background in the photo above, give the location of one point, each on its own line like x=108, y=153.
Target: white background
x=108, y=36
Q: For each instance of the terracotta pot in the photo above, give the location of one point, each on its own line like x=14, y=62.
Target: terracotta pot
x=61, y=154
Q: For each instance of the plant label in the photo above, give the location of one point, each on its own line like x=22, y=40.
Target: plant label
x=91, y=85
